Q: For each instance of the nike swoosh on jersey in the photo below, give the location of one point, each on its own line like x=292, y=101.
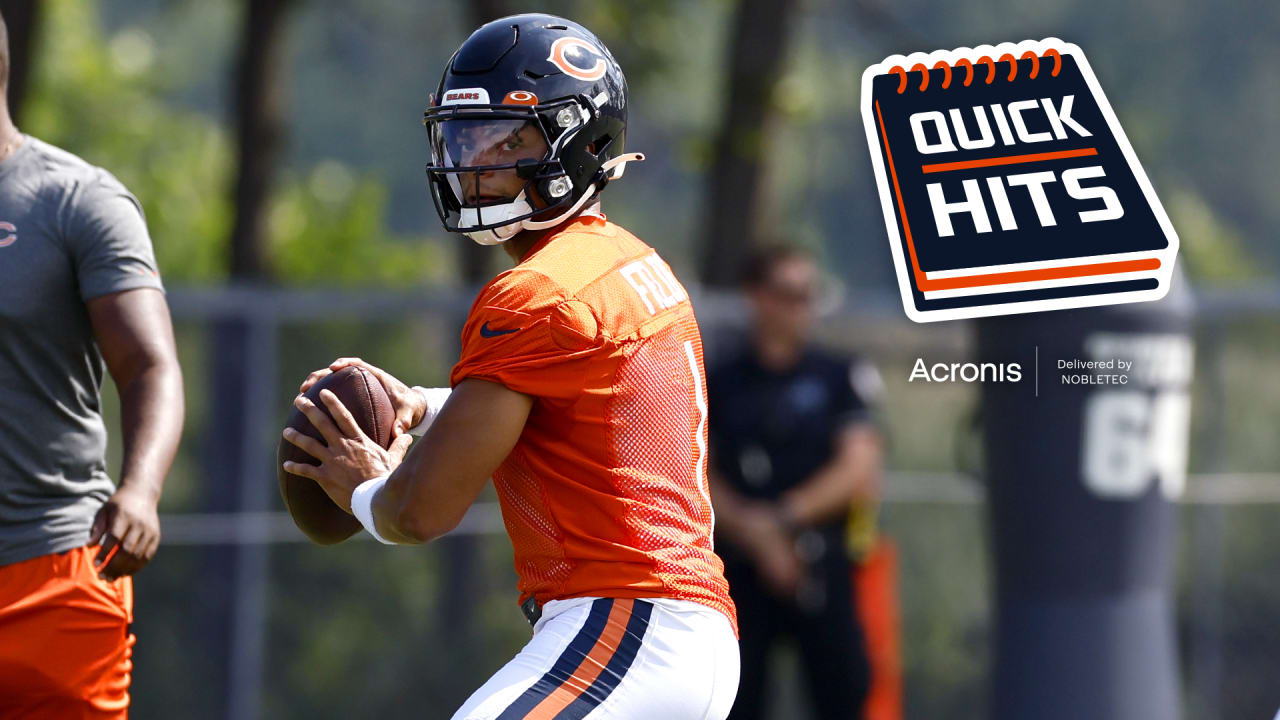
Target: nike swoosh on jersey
x=485, y=331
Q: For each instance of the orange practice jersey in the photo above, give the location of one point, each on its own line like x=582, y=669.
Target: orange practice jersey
x=605, y=494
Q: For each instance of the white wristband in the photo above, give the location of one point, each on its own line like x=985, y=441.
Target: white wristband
x=362, y=506
x=435, y=399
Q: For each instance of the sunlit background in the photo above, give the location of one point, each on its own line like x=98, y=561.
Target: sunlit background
x=293, y=226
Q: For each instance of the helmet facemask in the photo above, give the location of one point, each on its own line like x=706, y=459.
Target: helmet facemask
x=497, y=167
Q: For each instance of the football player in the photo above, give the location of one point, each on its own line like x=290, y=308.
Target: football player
x=580, y=391
x=79, y=294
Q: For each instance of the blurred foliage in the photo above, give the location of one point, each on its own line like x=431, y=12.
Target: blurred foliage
x=359, y=76
x=107, y=100
x=329, y=230
x=100, y=99
x=1212, y=250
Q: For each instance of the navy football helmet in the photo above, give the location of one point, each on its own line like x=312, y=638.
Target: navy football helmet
x=527, y=126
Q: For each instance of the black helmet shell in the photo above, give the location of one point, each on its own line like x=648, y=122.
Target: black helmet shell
x=538, y=64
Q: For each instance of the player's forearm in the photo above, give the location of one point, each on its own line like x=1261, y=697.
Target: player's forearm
x=388, y=516
x=853, y=474
x=404, y=516
x=444, y=472
x=823, y=497
x=432, y=489
x=151, y=416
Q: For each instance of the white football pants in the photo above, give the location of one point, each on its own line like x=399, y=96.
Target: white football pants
x=621, y=659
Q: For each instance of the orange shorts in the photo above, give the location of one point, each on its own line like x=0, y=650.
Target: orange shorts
x=65, y=644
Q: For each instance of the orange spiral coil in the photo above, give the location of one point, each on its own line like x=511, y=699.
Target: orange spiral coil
x=1013, y=65
x=965, y=63
x=946, y=69
x=1035, y=63
x=991, y=67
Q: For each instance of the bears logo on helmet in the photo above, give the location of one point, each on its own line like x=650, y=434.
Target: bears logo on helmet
x=562, y=48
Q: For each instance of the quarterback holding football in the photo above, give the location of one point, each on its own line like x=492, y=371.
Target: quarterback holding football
x=580, y=391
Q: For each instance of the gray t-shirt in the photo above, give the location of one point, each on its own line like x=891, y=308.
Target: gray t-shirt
x=69, y=232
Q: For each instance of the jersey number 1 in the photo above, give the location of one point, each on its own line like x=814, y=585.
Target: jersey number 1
x=699, y=434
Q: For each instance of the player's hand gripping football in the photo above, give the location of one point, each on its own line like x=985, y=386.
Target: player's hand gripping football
x=347, y=456
x=128, y=528
x=408, y=404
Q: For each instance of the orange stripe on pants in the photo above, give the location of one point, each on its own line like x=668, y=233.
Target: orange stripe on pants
x=591, y=666
x=65, y=649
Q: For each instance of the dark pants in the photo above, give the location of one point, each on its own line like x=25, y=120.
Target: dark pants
x=822, y=622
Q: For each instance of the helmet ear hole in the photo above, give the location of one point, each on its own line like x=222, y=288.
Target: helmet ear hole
x=600, y=145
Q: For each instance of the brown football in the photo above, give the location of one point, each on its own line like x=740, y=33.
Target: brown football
x=313, y=512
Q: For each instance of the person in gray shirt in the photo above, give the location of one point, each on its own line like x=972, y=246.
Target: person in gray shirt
x=79, y=295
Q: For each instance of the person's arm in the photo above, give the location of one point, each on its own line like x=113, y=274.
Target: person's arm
x=853, y=473
x=756, y=527
x=429, y=493
x=737, y=517
x=727, y=503
x=426, y=494
x=135, y=335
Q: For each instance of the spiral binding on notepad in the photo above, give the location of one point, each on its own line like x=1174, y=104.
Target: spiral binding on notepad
x=969, y=72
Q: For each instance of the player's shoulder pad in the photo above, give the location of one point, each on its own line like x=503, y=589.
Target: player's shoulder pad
x=573, y=325
x=531, y=300
x=521, y=289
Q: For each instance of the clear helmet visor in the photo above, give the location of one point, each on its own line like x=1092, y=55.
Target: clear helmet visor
x=495, y=169
x=484, y=154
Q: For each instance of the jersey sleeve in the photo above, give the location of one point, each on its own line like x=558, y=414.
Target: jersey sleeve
x=108, y=240
x=524, y=333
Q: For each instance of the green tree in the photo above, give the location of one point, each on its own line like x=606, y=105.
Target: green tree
x=110, y=100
